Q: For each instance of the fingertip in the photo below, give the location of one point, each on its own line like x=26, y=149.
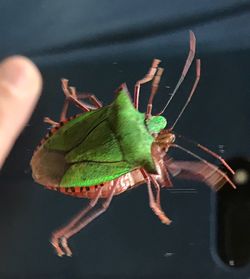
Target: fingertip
x=22, y=75
x=20, y=88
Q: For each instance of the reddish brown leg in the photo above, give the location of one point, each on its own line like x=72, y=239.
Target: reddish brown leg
x=152, y=202
x=149, y=76
x=207, y=150
x=158, y=191
x=158, y=157
x=57, y=235
x=206, y=163
x=50, y=121
x=92, y=98
x=154, y=88
x=63, y=115
x=78, y=223
x=71, y=95
x=97, y=103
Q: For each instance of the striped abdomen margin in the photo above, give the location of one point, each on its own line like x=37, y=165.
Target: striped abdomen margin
x=127, y=181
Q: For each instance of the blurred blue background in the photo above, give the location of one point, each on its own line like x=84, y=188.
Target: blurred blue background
x=98, y=45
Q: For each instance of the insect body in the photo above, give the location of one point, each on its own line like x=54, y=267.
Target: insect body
x=105, y=151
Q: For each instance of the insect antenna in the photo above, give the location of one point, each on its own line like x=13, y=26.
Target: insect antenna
x=209, y=151
x=154, y=88
x=205, y=162
x=198, y=71
x=187, y=65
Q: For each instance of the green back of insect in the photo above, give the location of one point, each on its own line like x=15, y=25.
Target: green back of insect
x=100, y=145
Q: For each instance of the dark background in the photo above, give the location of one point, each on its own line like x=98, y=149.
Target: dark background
x=98, y=45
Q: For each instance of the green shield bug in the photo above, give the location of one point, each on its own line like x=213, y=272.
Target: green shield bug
x=105, y=151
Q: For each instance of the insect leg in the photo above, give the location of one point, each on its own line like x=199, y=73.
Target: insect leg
x=84, y=221
x=154, y=88
x=57, y=235
x=149, y=76
x=158, y=191
x=158, y=157
x=63, y=115
x=50, y=121
x=97, y=103
x=71, y=96
x=216, y=169
x=152, y=203
x=207, y=150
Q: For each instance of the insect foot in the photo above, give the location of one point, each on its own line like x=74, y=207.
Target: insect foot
x=64, y=243
x=162, y=216
x=165, y=220
x=56, y=242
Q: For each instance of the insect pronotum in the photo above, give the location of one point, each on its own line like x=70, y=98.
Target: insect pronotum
x=104, y=151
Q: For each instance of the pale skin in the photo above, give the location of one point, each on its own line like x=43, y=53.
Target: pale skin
x=20, y=88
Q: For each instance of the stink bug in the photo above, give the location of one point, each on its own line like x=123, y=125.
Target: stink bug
x=105, y=151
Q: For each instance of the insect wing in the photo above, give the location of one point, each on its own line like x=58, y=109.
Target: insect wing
x=73, y=132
